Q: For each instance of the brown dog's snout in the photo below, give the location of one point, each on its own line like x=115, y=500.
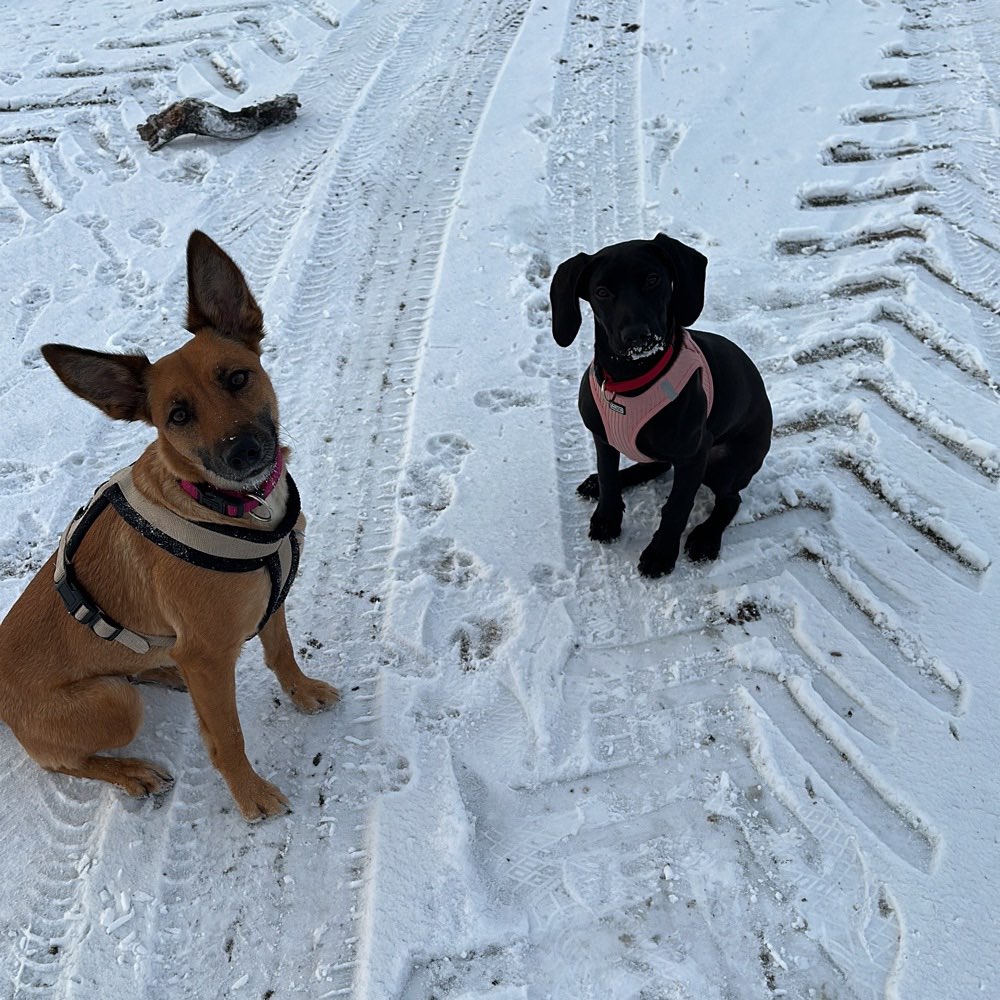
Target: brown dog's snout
x=245, y=454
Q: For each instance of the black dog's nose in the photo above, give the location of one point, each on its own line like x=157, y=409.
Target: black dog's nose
x=245, y=453
x=635, y=335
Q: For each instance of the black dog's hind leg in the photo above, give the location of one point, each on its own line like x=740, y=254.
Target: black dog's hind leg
x=631, y=475
x=606, y=521
x=705, y=540
x=729, y=471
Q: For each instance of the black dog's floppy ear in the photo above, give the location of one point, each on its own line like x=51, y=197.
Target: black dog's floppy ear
x=688, y=268
x=564, y=296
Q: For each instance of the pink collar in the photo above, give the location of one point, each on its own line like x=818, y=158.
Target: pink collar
x=231, y=502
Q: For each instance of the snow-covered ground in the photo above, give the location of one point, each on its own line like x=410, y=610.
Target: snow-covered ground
x=548, y=777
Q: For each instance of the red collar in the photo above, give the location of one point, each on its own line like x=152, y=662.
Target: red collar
x=640, y=381
x=231, y=502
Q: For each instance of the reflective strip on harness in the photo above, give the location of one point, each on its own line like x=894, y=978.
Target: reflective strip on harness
x=225, y=548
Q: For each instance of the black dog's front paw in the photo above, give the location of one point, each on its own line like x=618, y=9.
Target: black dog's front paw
x=606, y=521
x=605, y=527
x=655, y=562
x=703, y=543
x=590, y=487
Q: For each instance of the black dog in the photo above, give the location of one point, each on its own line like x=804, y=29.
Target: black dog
x=659, y=394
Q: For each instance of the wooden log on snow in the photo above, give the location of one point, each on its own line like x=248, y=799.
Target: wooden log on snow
x=192, y=116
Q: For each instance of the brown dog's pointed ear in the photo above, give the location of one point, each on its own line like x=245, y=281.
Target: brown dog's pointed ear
x=688, y=268
x=218, y=295
x=564, y=296
x=114, y=383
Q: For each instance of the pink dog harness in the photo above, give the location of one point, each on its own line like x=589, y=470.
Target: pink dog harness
x=625, y=416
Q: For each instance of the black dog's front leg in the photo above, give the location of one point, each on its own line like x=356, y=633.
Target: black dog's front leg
x=660, y=556
x=606, y=521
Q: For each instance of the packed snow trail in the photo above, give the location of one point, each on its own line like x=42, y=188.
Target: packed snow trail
x=549, y=777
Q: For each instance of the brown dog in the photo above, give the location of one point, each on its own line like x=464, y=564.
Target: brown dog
x=174, y=564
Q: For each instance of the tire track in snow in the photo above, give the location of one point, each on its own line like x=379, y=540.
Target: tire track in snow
x=385, y=274
x=903, y=245
x=62, y=941
x=969, y=88
x=179, y=892
x=596, y=137
x=535, y=868
x=348, y=268
x=864, y=604
x=48, y=922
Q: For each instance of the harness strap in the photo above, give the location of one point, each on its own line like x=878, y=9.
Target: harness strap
x=226, y=548
x=78, y=602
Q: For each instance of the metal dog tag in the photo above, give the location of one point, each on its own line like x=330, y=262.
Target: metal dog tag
x=617, y=407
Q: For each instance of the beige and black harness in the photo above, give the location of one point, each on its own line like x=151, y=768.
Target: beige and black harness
x=222, y=547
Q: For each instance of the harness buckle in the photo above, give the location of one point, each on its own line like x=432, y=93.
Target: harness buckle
x=76, y=601
x=213, y=501
x=72, y=597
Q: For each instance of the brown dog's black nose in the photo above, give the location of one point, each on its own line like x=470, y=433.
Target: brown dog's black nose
x=245, y=454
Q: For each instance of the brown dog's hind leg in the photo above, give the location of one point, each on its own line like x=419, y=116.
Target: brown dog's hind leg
x=307, y=693
x=136, y=776
x=100, y=713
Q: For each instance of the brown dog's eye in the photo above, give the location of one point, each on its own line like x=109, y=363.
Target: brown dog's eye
x=238, y=380
x=652, y=279
x=179, y=416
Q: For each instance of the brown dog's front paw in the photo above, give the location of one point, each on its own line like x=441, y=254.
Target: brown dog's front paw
x=259, y=799
x=311, y=695
x=654, y=562
x=140, y=777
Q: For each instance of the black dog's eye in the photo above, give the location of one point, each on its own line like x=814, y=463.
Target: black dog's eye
x=179, y=416
x=238, y=380
x=652, y=279
x=601, y=292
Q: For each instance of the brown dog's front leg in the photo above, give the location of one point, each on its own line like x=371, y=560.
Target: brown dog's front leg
x=307, y=693
x=211, y=680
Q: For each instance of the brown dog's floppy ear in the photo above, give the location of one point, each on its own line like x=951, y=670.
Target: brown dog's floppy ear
x=564, y=296
x=688, y=268
x=114, y=383
x=218, y=295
